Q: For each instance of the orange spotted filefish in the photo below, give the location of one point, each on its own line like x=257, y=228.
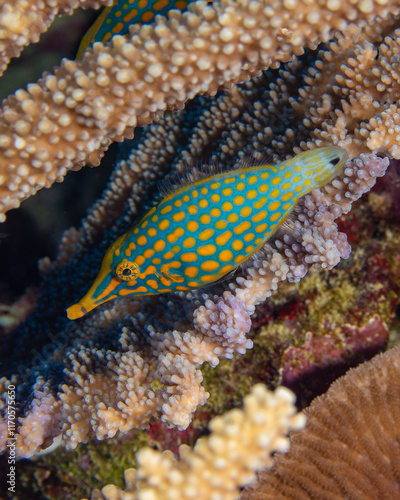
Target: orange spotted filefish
x=116, y=19
x=206, y=228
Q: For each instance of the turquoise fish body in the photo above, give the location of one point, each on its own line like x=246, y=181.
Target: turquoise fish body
x=116, y=19
x=204, y=230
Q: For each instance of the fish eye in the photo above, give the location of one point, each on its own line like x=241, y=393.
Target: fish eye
x=126, y=270
x=335, y=161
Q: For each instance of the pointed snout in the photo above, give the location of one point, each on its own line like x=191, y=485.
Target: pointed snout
x=102, y=290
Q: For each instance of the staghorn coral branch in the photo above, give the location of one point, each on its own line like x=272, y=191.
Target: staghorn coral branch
x=106, y=391
x=351, y=444
x=241, y=442
x=22, y=22
x=359, y=102
x=70, y=118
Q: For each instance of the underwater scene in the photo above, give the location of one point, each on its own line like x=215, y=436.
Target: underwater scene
x=204, y=302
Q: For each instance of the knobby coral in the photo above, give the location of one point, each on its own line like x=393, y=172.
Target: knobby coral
x=22, y=22
x=143, y=364
x=69, y=118
x=136, y=359
x=241, y=442
x=351, y=444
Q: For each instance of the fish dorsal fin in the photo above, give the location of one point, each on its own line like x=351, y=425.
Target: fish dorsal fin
x=288, y=225
x=255, y=159
x=196, y=170
x=191, y=172
x=89, y=36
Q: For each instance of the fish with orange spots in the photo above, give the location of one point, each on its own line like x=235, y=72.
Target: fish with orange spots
x=207, y=227
x=116, y=19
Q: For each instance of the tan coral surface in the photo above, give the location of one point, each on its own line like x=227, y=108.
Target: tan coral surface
x=68, y=119
x=241, y=442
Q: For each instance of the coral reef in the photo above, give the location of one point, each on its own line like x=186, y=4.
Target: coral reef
x=241, y=442
x=350, y=446
x=302, y=366
x=364, y=285
x=149, y=366
x=137, y=360
x=142, y=363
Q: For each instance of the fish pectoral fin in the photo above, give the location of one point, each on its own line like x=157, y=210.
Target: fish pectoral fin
x=170, y=276
x=175, y=278
x=164, y=280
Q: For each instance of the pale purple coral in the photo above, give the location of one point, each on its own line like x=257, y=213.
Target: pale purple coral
x=158, y=374
x=311, y=237
x=38, y=428
x=226, y=322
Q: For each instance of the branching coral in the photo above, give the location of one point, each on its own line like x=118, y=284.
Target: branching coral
x=149, y=364
x=137, y=359
x=241, y=442
x=350, y=446
x=69, y=118
x=363, y=115
x=22, y=22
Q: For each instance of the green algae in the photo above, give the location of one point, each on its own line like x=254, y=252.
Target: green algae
x=75, y=473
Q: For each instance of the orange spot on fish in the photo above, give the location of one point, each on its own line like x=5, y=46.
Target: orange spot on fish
x=191, y=271
x=159, y=245
x=131, y=15
x=110, y=288
x=140, y=289
x=118, y=28
x=225, y=255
